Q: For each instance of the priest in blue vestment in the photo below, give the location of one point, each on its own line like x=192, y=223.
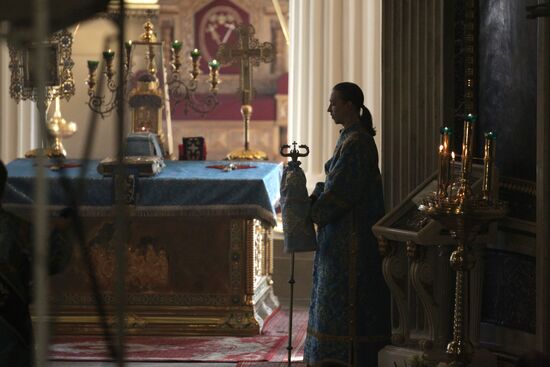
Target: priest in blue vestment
x=349, y=316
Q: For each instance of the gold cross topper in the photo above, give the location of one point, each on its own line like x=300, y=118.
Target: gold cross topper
x=250, y=53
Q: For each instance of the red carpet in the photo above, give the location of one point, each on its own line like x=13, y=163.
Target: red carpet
x=270, y=346
x=279, y=326
x=270, y=364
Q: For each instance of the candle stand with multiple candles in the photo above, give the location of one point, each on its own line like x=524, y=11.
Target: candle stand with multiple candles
x=149, y=89
x=465, y=214
x=179, y=89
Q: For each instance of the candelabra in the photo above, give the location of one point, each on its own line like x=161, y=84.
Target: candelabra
x=179, y=90
x=464, y=214
x=185, y=91
x=98, y=103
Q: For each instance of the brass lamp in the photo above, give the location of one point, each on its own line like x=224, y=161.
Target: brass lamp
x=59, y=129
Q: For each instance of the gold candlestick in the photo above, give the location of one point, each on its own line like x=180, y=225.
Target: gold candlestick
x=92, y=67
x=214, y=80
x=128, y=49
x=109, y=56
x=444, y=163
x=452, y=184
x=465, y=191
x=195, y=57
x=176, y=48
x=488, y=165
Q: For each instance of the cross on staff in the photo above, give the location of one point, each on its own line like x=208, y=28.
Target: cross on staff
x=250, y=53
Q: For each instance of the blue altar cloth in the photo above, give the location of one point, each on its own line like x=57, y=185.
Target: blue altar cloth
x=180, y=184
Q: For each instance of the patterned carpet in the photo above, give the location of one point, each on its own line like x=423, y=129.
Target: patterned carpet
x=270, y=364
x=270, y=346
x=279, y=326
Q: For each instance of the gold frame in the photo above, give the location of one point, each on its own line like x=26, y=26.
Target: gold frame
x=62, y=82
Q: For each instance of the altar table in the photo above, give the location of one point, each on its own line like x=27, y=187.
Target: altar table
x=199, y=250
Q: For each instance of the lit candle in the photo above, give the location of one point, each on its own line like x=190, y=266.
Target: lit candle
x=452, y=179
x=444, y=162
x=452, y=164
x=489, y=150
x=443, y=176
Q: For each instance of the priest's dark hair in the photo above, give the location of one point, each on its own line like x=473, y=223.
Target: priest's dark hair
x=3, y=177
x=353, y=93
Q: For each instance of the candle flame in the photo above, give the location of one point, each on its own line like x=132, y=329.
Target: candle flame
x=453, y=155
x=440, y=148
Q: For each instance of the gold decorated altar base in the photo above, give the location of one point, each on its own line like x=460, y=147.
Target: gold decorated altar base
x=187, y=274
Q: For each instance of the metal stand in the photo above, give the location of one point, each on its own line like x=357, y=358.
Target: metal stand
x=294, y=154
x=291, y=282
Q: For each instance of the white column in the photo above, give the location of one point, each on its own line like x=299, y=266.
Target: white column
x=17, y=121
x=331, y=41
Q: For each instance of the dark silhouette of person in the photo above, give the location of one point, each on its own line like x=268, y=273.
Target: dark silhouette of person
x=16, y=256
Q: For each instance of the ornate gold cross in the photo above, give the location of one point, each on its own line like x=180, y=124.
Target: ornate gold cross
x=250, y=53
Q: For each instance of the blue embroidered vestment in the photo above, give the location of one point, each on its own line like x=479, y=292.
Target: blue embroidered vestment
x=350, y=300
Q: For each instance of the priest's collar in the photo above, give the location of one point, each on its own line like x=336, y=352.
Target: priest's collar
x=353, y=127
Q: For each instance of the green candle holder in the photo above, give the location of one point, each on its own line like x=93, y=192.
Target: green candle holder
x=446, y=131
x=195, y=54
x=177, y=45
x=92, y=66
x=109, y=55
x=214, y=64
x=471, y=117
